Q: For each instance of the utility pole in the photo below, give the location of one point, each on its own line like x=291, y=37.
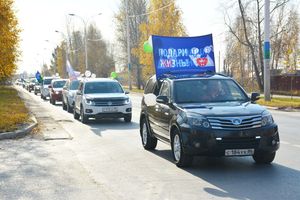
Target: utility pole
x=267, y=52
x=85, y=23
x=128, y=46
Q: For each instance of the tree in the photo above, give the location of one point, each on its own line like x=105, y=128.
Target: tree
x=136, y=11
x=164, y=19
x=251, y=16
x=9, y=39
x=101, y=61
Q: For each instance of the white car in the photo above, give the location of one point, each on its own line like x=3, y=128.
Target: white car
x=101, y=98
x=45, y=87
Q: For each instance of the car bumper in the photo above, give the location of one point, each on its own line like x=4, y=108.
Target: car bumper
x=56, y=97
x=101, y=112
x=37, y=89
x=214, y=142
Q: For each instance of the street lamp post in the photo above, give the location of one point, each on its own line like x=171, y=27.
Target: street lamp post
x=85, y=22
x=128, y=46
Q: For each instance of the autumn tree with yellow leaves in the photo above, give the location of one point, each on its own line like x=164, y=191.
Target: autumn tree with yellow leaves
x=9, y=39
x=164, y=18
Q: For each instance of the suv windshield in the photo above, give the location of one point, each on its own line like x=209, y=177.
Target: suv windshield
x=59, y=84
x=74, y=85
x=47, y=81
x=207, y=91
x=102, y=87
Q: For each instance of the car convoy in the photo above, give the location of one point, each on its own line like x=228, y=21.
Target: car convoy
x=217, y=120
x=186, y=104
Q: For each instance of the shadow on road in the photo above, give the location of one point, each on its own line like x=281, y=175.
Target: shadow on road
x=100, y=125
x=241, y=178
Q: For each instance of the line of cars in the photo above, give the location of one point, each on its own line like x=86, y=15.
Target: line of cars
x=87, y=98
x=197, y=115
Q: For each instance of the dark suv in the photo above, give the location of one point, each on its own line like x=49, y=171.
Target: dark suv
x=208, y=115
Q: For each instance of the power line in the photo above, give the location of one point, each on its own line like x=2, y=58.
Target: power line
x=147, y=13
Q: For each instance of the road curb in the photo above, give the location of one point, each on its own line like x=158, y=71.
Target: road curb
x=21, y=132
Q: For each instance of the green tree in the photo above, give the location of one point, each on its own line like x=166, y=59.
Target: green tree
x=9, y=39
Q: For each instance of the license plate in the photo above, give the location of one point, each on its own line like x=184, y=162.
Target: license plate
x=239, y=152
x=110, y=109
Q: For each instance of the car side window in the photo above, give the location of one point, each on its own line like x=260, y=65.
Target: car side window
x=149, y=87
x=68, y=85
x=80, y=88
x=165, y=90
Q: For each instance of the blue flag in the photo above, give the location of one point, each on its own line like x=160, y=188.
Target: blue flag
x=183, y=55
x=38, y=77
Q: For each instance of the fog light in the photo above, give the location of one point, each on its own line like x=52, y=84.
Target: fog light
x=197, y=144
x=274, y=142
x=128, y=110
x=88, y=110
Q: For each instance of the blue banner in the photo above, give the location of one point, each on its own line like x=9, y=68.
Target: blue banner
x=183, y=55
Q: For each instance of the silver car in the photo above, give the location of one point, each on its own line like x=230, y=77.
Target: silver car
x=45, y=87
x=68, y=94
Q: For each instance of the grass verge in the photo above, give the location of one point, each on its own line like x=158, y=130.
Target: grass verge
x=281, y=102
x=13, y=113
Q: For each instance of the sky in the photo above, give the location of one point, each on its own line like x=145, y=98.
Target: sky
x=39, y=19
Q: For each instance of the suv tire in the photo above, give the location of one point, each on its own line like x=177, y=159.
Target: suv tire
x=128, y=117
x=75, y=114
x=84, y=119
x=264, y=157
x=149, y=142
x=53, y=102
x=181, y=159
x=64, y=106
x=69, y=108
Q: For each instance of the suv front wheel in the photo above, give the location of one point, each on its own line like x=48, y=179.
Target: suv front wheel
x=181, y=159
x=128, y=117
x=263, y=157
x=84, y=119
x=75, y=114
x=149, y=142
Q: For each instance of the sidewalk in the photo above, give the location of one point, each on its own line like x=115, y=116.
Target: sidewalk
x=34, y=168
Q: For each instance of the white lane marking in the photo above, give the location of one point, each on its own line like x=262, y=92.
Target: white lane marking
x=296, y=145
x=284, y=142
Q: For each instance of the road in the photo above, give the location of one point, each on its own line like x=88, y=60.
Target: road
x=106, y=160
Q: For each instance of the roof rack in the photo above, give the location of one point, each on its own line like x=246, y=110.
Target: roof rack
x=188, y=75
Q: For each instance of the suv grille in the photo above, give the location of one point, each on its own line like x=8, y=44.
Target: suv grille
x=235, y=123
x=109, y=102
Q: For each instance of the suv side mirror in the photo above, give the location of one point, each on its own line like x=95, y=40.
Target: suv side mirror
x=65, y=88
x=255, y=96
x=78, y=92
x=127, y=92
x=162, y=99
x=49, y=86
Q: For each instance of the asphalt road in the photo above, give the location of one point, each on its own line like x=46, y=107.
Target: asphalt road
x=105, y=160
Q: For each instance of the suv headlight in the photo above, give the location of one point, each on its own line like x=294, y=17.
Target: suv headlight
x=266, y=119
x=127, y=101
x=89, y=102
x=196, y=120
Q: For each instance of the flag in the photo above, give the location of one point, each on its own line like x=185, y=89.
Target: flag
x=38, y=77
x=183, y=55
x=72, y=74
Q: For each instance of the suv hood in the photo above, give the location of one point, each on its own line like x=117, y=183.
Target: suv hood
x=224, y=109
x=106, y=95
